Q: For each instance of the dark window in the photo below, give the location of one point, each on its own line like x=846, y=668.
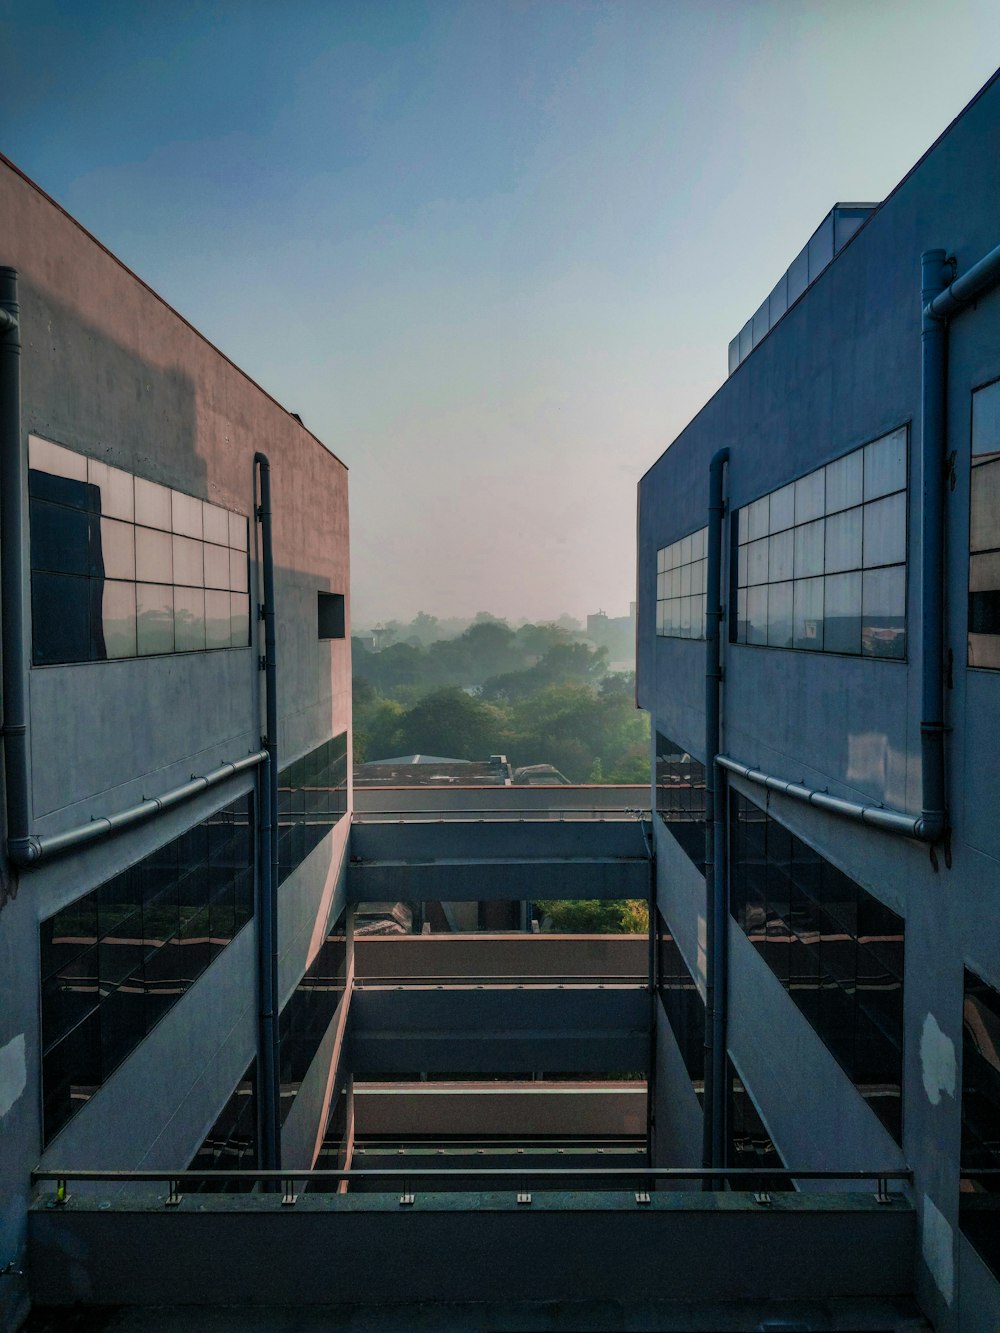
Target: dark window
x=836, y=949
x=984, y=530
x=309, y=1012
x=117, y=959
x=682, y=1004
x=680, y=797
x=978, y=1211
x=231, y=1143
x=312, y=797
x=331, y=615
x=750, y=1144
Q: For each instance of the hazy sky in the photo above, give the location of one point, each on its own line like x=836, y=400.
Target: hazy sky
x=492, y=253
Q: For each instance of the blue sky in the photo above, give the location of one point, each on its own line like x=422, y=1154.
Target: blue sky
x=501, y=246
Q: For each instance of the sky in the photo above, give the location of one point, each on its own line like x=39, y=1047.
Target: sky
x=491, y=251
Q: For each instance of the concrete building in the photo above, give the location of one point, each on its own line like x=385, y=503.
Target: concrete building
x=133, y=569
x=819, y=645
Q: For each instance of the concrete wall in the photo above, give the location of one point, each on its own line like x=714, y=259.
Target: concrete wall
x=507, y=955
x=110, y=371
x=842, y=368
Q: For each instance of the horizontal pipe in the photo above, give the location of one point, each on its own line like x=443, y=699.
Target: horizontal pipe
x=964, y=290
x=30, y=850
x=8, y=321
x=876, y=816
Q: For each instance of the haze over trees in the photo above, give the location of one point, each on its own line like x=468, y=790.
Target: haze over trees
x=539, y=694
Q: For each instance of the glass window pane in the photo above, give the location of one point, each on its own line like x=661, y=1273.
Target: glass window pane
x=810, y=542
x=843, y=541
x=757, y=561
x=779, y=557
x=685, y=626
x=152, y=504
x=779, y=615
x=218, y=631
x=60, y=619
x=743, y=525
x=239, y=604
x=189, y=568
x=186, y=514
x=237, y=532
x=885, y=465
x=759, y=517
x=116, y=549
x=685, y=580
x=237, y=571
x=782, y=514
x=883, y=628
x=215, y=524
x=115, y=490
x=60, y=538
x=885, y=531
x=844, y=482
x=685, y=552
x=741, y=561
x=985, y=420
x=68, y=933
x=153, y=556
x=154, y=618
x=809, y=497
x=842, y=613
x=984, y=519
x=189, y=619
x=757, y=614
x=741, y=616
x=45, y=456
x=808, y=616
x=117, y=616
x=217, y=567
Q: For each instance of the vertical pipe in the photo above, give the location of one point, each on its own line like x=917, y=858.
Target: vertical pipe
x=15, y=715
x=934, y=274
x=715, y=922
x=270, y=1052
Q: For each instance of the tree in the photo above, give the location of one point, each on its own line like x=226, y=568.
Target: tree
x=451, y=723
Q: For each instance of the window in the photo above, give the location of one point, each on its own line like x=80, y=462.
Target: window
x=836, y=949
x=978, y=1215
x=231, y=1143
x=681, y=574
x=116, y=960
x=123, y=567
x=750, y=1144
x=680, y=798
x=682, y=1004
x=331, y=615
x=984, y=530
x=821, y=562
x=312, y=797
x=310, y=1010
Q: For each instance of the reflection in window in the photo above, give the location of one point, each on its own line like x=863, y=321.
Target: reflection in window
x=682, y=1004
x=984, y=530
x=750, y=1144
x=836, y=949
x=120, y=565
x=309, y=1012
x=680, y=798
x=312, y=797
x=114, y=961
x=681, y=574
x=802, y=551
x=978, y=1214
x=231, y=1143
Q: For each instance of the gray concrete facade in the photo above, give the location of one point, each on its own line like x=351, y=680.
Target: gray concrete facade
x=842, y=368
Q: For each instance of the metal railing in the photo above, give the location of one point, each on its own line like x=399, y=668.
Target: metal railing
x=505, y=1179
x=508, y=981
x=498, y=813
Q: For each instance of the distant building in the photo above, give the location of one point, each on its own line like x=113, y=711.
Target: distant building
x=427, y=770
x=616, y=634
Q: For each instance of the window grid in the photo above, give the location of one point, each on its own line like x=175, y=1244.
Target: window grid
x=682, y=1004
x=312, y=797
x=681, y=582
x=978, y=1211
x=231, y=1143
x=821, y=562
x=984, y=530
x=123, y=567
x=116, y=960
x=680, y=798
x=836, y=949
x=310, y=1010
